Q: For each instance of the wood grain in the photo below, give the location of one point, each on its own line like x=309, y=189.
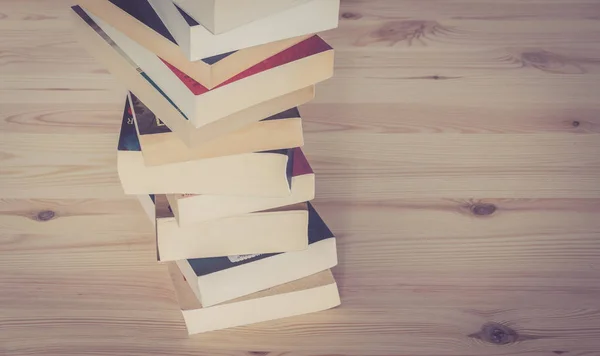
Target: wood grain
x=457, y=158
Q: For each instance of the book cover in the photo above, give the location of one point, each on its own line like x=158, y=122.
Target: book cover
x=190, y=20
x=317, y=231
x=149, y=124
x=81, y=13
x=142, y=11
x=309, y=47
x=128, y=140
x=300, y=165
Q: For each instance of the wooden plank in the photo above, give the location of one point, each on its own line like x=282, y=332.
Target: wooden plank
x=51, y=118
x=89, y=182
x=411, y=152
x=423, y=165
x=479, y=91
x=368, y=151
x=99, y=88
x=576, y=183
x=489, y=10
x=79, y=182
x=443, y=33
x=413, y=118
x=31, y=150
x=71, y=217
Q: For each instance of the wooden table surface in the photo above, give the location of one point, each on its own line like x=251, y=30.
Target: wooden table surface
x=457, y=153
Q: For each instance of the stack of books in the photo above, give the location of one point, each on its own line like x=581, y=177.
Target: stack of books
x=210, y=143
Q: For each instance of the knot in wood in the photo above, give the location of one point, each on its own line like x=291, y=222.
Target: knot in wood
x=575, y=123
x=351, y=15
x=397, y=31
x=551, y=62
x=540, y=57
x=45, y=215
x=482, y=209
x=498, y=334
x=401, y=29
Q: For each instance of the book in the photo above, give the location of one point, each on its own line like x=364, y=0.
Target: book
x=277, y=230
x=252, y=174
x=138, y=20
x=304, y=64
x=99, y=45
x=219, y=279
x=198, y=42
x=307, y=295
x=217, y=17
x=161, y=146
x=192, y=208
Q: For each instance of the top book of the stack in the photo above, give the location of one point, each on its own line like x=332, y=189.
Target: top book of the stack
x=203, y=29
x=219, y=16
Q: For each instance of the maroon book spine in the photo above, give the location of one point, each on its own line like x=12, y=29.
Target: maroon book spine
x=306, y=48
x=301, y=165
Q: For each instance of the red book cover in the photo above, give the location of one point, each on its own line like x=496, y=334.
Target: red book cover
x=306, y=48
x=300, y=165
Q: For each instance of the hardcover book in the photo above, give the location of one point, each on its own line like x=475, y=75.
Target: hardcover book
x=219, y=279
x=161, y=146
x=277, y=230
x=307, y=295
x=138, y=20
x=193, y=208
x=198, y=42
x=300, y=66
x=137, y=81
x=251, y=174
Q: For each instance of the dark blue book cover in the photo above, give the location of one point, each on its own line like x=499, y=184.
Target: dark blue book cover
x=142, y=11
x=128, y=140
